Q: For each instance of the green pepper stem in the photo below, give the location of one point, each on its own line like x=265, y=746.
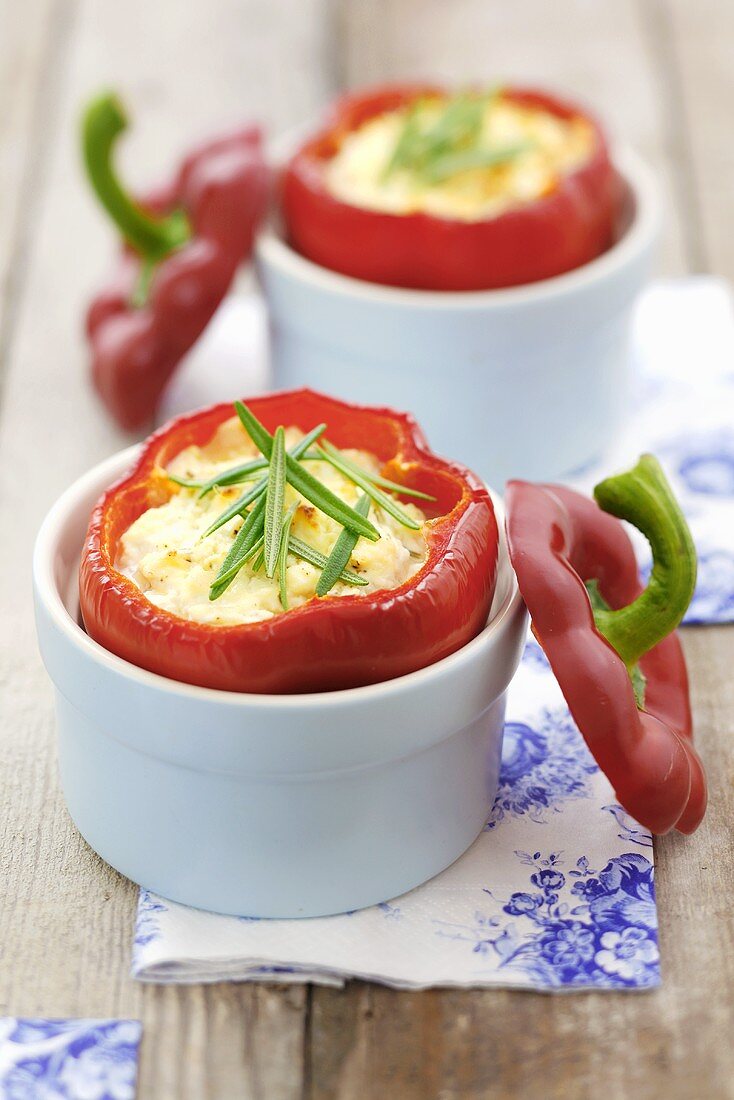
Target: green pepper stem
x=153, y=238
x=643, y=497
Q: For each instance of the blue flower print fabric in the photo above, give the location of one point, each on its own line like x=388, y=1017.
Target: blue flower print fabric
x=45, y=1059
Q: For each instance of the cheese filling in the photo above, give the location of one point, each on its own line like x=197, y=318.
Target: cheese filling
x=548, y=147
x=163, y=552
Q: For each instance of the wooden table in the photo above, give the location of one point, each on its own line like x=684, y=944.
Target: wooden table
x=662, y=73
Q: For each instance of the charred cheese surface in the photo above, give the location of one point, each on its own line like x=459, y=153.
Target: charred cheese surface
x=551, y=147
x=164, y=554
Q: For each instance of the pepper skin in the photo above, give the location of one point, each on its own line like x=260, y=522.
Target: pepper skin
x=546, y=237
x=558, y=540
x=183, y=246
x=328, y=643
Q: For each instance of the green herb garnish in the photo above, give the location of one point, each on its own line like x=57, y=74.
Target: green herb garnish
x=405, y=149
x=375, y=479
x=285, y=532
x=274, y=498
x=339, y=557
x=315, y=557
x=434, y=149
x=225, y=577
x=355, y=474
x=244, y=472
x=265, y=536
x=259, y=561
x=442, y=168
x=304, y=482
x=248, y=534
x=240, y=506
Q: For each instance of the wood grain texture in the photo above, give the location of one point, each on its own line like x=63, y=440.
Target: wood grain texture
x=701, y=47
x=32, y=41
x=661, y=72
x=65, y=918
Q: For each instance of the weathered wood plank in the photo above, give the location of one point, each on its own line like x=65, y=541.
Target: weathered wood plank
x=65, y=918
x=31, y=49
x=701, y=44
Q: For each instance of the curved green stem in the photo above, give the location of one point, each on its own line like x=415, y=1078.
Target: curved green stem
x=643, y=497
x=153, y=238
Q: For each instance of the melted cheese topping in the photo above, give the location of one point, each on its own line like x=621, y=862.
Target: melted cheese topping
x=556, y=146
x=163, y=553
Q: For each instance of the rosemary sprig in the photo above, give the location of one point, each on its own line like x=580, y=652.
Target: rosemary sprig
x=285, y=533
x=239, y=506
x=265, y=535
x=250, y=531
x=460, y=122
x=274, y=498
x=442, y=168
x=304, y=482
x=234, y=474
x=451, y=143
x=332, y=455
x=225, y=578
x=376, y=479
x=409, y=137
x=341, y=552
x=315, y=557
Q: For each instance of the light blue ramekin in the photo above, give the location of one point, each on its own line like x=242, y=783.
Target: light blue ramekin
x=264, y=805
x=530, y=382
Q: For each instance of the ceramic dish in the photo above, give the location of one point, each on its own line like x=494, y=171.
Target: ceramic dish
x=529, y=381
x=269, y=806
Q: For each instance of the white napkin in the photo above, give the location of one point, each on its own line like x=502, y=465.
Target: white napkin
x=557, y=892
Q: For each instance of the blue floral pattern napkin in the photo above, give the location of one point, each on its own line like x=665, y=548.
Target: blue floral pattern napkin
x=558, y=891
x=43, y=1059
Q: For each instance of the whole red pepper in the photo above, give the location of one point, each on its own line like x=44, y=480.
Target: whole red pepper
x=328, y=643
x=608, y=640
x=548, y=236
x=183, y=247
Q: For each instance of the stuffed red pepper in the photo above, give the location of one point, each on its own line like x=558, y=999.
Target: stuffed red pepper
x=412, y=186
x=293, y=543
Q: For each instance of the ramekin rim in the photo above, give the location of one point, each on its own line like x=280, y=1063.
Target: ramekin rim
x=272, y=250
x=46, y=591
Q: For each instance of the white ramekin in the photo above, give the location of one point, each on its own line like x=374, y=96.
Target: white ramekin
x=269, y=806
x=530, y=381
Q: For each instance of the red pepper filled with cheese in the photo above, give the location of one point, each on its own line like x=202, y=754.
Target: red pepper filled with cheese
x=411, y=186
x=293, y=544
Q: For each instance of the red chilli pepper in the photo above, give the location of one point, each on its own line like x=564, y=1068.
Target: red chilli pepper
x=330, y=642
x=183, y=247
x=558, y=232
x=608, y=640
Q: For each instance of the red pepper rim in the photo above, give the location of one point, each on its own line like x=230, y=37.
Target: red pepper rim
x=142, y=488
x=352, y=111
x=305, y=197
